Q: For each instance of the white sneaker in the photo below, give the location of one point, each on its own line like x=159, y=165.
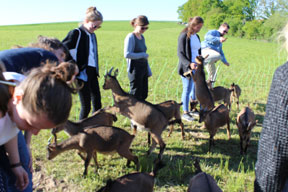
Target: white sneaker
x=187, y=117
x=194, y=113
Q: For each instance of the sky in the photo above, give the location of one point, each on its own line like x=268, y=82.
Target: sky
x=13, y=12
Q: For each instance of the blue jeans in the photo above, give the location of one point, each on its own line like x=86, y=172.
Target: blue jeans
x=9, y=176
x=188, y=92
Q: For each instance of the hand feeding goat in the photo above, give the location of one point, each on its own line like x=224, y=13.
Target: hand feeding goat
x=99, y=117
x=93, y=139
x=213, y=119
x=245, y=123
x=141, y=113
x=133, y=182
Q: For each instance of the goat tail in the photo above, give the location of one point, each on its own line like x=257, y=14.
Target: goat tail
x=158, y=165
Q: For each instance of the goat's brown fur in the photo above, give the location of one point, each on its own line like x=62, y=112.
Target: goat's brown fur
x=133, y=182
x=235, y=94
x=100, y=117
x=102, y=139
x=141, y=113
x=245, y=123
x=220, y=93
x=203, y=94
x=202, y=181
x=214, y=119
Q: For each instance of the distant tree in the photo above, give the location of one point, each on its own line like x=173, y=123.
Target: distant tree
x=252, y=29
x=189, y=9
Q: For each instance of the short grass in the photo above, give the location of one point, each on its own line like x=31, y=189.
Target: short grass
x=252, y=67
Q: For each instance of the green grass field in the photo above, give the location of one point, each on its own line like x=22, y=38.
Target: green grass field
x=252, y=67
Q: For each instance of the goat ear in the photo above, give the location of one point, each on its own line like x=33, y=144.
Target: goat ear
x=116, y=73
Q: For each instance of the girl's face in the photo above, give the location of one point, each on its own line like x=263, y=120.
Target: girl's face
x=198, y=27
x=141, y=29
x=25, y=120
x=92, y=26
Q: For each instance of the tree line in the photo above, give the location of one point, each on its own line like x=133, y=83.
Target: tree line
x=252, y=19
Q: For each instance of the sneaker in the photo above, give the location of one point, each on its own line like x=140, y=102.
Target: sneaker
x=187, y=117
x=194, y=113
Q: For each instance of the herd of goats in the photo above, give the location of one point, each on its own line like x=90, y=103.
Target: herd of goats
x=96, y=133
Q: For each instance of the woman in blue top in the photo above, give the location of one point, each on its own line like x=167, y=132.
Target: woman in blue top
x=189, y=47
x=137, y=58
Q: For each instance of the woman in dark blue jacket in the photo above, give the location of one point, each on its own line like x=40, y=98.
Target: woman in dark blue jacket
x=82, y=44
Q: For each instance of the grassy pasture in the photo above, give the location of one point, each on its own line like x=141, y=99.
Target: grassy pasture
x=252, y=67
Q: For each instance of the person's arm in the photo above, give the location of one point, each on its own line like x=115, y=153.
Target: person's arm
x=129, y=45
x=184, y=60
x=71, y=39
x=22, y=179
x=223, y=58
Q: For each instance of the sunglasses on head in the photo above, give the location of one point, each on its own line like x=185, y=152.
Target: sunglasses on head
x=144, y=28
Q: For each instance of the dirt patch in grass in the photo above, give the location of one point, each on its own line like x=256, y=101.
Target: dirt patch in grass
x=43, y=182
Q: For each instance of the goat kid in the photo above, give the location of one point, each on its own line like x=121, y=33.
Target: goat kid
x=220, y=93
x=133, y=182
x=93, y=139
x=214, y=119
x=141, y=113
x=245, y=123
x=171, y=109
x=99, y=117
x=203, y=94
x=235, y=94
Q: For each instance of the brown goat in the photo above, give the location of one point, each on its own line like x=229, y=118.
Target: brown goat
x=203, y=94
x=102, y=139
x=171, y=109
x=99, y=117
x=141, y=113
x=245, y=123
x=220, y=93
x=133, y=182
x=214, y=119
x=235, y=94
x=202, y=181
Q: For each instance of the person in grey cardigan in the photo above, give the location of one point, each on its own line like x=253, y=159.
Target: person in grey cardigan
x=137, y=59
x=271, y=170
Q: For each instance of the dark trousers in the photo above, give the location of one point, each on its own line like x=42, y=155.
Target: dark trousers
x=89, y=92
x=138, y=76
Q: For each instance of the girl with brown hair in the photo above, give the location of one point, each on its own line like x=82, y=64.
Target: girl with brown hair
x=41, y=101
x=189, y=47
x=137, y=58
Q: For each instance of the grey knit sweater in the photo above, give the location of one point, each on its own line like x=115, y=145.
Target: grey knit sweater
x=271, y=169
